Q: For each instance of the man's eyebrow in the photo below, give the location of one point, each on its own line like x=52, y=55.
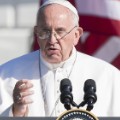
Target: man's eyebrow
x=60, y=28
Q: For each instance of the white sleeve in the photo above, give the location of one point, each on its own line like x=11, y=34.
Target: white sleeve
x=7, y=112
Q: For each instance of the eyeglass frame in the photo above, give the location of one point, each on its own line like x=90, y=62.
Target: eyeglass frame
x=55, y=34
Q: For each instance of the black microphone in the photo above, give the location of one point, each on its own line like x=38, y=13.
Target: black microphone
x=90, y=96
x=66, y=96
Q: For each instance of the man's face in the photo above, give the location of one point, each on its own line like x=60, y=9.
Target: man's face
x=57, y=20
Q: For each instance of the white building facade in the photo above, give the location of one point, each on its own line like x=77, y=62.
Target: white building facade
x=17, y=20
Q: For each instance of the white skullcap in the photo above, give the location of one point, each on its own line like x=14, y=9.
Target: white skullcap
x=64, y=3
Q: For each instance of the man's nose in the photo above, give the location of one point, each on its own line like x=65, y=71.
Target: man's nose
x=52, y=38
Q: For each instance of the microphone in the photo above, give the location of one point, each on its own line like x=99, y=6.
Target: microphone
x=66, y=96
x=90, y=97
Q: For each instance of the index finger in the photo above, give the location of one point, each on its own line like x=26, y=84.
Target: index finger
x=23, y=84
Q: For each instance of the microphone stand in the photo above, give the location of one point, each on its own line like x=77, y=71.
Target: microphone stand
x=89, y=103
x=67, y=105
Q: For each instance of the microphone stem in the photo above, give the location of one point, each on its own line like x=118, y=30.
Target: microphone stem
x=82, y=104
x=90, y=104
x=74, y=104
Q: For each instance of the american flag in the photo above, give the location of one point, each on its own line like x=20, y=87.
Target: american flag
x=100, y=20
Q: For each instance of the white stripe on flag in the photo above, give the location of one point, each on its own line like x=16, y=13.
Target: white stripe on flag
x=109, y=50
x=102, y=8
x=84, y=36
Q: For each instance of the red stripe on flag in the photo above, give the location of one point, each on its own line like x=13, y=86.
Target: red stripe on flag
x=79, y=46
x=100, y=25
x=93, y=43
x=73, y=2
x=116, y=62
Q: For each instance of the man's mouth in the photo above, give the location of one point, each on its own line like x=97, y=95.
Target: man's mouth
x=52, y=50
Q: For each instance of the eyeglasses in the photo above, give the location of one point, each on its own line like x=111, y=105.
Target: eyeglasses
x=60, y=34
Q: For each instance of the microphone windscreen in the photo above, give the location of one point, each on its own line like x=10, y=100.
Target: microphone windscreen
x=64, y=84
x=89, y=84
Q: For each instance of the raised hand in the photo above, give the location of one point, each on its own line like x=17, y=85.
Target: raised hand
x=21, y=97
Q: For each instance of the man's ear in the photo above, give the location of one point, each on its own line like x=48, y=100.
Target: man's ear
x=35, y=30
x=78, y=34
x=37, y=44
x=35, y=33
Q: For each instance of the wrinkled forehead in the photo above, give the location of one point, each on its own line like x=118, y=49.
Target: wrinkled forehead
x=55, y=13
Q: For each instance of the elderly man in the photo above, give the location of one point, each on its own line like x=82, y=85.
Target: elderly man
x=29, y=85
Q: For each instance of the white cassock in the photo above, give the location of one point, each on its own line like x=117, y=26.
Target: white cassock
x=46, y=80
